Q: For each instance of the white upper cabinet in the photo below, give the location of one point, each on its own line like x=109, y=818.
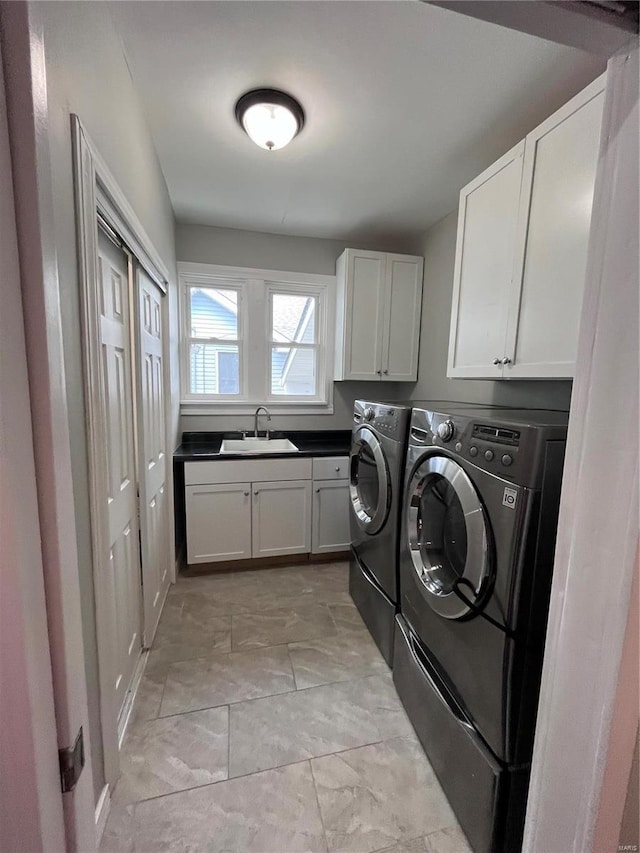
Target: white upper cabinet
x=561, y=158
x=523, y=233
x=379, y=298
x=487, y=220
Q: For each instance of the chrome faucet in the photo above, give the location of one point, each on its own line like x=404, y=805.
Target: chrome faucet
x=255, y=426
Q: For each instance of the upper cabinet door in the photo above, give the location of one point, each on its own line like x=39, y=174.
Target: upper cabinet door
x=402, y=317
x=560, y=165
x=361, y=287
x=484, y=267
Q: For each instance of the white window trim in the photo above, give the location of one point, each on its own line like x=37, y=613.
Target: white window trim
x=241, y=278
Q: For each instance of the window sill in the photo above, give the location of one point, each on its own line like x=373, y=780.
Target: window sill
x=225, y=407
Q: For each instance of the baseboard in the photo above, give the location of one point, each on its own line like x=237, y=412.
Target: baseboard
x=102, y=813
x=194, y=569
x=123, y=722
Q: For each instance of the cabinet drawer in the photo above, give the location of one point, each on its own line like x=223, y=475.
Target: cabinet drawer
x=331, y=468
x=245, y=470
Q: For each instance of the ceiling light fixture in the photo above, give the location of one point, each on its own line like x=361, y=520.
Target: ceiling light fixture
x=269, y=117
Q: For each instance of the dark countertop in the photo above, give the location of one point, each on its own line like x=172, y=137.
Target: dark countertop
x=199, y=446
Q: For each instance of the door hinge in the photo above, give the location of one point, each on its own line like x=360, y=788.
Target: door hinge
x=71, y=763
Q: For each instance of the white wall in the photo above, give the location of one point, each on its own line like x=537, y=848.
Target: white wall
x=232, y=247
x=438, y=249
x=87, y=75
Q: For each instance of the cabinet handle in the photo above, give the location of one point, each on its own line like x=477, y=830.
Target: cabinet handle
x=386, y=372
x=496, y=361
x=506, y=360
x=246, y=494
x=256, y=493
x=317, y=490
x=337, y=468
x=379, y=372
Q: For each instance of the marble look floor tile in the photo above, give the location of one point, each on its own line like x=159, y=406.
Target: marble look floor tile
x=272, y=812
x=146, y=705
x=378, y=795
x=225, y=678
x=284, y=729
x=328, y=659
x=283, y=625
x=347, y=617
x=118, y=832
x=451, y=840
x=265, y=589
x=173, y=754
x=186, y=638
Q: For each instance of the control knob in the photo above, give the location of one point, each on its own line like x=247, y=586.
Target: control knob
x=368, y=414
x=446, y=430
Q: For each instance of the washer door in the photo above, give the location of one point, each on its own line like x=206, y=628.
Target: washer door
x=369, y=484
x=448, y=537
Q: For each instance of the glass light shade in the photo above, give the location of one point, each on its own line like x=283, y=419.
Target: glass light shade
x=270, y=126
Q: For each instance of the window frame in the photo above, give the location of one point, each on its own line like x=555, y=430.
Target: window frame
x=255, y=287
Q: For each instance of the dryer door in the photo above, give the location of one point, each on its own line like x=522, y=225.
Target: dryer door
x=448, y=537
x=369, y=483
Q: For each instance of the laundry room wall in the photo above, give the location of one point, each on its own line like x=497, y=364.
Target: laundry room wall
x=438, y=248
x=87, y=74
x=233, y=247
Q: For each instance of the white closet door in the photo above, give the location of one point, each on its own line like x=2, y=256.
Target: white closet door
x=484, y=269
x=122, y=586
x=154, y=500
x=561, y=158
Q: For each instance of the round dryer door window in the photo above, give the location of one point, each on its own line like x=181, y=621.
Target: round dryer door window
x=448, y=537
x=369, y=481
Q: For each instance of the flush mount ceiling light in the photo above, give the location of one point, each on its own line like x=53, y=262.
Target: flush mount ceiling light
x=269, y=117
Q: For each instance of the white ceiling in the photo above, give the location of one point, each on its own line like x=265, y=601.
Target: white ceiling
x=405, y=103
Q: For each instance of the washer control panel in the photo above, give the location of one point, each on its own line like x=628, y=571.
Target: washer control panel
x=509, y=444
x=389, y=420
x=494, y=448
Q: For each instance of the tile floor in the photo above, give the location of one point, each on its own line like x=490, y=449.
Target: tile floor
x=267, y=722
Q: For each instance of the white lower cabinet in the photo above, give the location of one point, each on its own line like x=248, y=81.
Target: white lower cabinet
x=330, y=528
x=281, y=518
x=265, y=516
x=218, y=522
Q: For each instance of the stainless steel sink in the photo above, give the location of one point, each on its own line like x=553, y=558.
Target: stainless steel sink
x=258, y=445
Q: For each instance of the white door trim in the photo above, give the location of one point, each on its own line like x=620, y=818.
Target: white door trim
x=97, y=190
x=29, y=132
x=31, y=813
x=598, y=526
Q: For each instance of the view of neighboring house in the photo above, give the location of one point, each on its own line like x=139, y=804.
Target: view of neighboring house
x=215, y=355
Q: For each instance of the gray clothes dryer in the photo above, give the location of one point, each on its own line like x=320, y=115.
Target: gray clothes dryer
x=477, y=542
x=376, y=469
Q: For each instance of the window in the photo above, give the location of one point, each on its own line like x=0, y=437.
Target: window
x=252, y=337
x=214, y=340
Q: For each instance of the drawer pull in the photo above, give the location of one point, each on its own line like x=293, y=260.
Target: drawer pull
x=246, y=494
x=317, y=491
x=337, y=468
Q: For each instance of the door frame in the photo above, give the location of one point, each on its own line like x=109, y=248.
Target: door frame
x=97, y=192
x=590, y=608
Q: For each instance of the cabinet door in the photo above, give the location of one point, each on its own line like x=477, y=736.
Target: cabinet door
x=361, y=288
x=560, y=164
x=218, y=522
x=281, y=518
x=402, y=317
x=484, y=266
x=330, y=528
